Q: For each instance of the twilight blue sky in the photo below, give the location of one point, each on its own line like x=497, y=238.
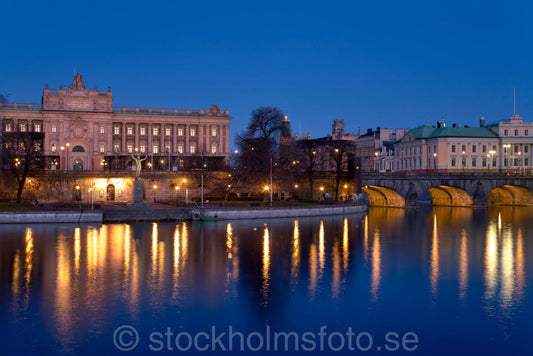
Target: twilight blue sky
x=372, y=63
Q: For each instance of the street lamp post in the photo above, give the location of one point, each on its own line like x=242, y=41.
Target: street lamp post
x=463, y=161
x=177, y=188
x=519, y=162
x=155, y=193
x=186, y=191
x=63, y=158
x=67, y=144
x=435, y=161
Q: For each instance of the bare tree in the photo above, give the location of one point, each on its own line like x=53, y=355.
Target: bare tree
x=21, y=154
x=258, y=144
x=339, y=151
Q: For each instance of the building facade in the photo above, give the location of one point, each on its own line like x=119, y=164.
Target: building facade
x=502, y=147
x=83, y=131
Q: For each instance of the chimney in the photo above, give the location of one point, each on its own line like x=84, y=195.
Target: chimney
x=438, y=124
x=481, y=121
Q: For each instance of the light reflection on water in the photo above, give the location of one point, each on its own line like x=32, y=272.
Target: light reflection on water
x=81, y=280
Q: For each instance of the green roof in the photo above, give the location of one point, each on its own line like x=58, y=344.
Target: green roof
x=425, y=132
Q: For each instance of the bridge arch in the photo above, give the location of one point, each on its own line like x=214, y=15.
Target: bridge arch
x=443, y=195
x=510, y=195
x=382, y=196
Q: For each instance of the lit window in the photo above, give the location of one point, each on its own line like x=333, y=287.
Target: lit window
x=116, y=130
x=37, y=127
x=213, y=131
x=155, y=131
x=130, y=130
x=167, y=131
x=22, y=127
x=102, y=148
x=130, y=148
x=193, y=132
x=8, y=127
x=167, y=148
x=101, y=193
x=180, y=148
x=180, y=132
x=54, y=128
x=102, y=130
x=116, y=147
x=193, y=149
x=181, y=163
x=213, y=148
x=155, y=149
x=143, y=149
x=54, y=147
x=143, y=130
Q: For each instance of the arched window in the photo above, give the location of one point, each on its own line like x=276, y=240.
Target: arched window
x=78, y=149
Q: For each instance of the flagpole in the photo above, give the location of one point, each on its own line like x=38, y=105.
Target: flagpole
x=271, y=182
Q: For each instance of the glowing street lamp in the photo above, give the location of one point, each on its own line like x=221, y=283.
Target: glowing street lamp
x=155, y=193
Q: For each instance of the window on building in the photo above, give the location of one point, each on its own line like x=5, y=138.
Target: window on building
x=143, y=130
x=453, y=148
x=130, y=148
x=526, y=132
x=37, y=146
x=8, y=127
x=214, y=131
x=116, y=130
x=484, y=149
x=516, y=162
x=130, y=130
x=155, y=131
x=37, y=127
x=193, y=132
x=143, y=149
x=167, y=131
x=506, y=132
x=526, y=161
x=180, y=148
x=22, y=127
x=494, y=161
x=484, y=162
x=463, y=149
x=53, y=147
x=102, y=130
x=54, y=128
x=180, y=132
x=505, y=162
x=516, y=149
x=181, y=163
x=167, y=148
x=102, y=148
x=474, y=147
x=101, y=193
x=213, y=148
x=516, y=132
x=526, y=148
x=474, y=161
x=155, y=149
x=116, y=148
x=192, y=149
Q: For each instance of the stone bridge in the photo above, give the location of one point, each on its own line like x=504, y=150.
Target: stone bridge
x=404, y=190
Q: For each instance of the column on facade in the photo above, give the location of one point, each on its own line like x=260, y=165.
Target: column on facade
x=123, y=150
x=174, y=147
x=502, y=157
x=162, y=140
x=200, y=139
x=136, y=132
x=186, y=149
x=220, y=148
x=150, y=132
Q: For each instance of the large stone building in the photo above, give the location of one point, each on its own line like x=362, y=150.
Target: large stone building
x=501, y=147
x=83, y=131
